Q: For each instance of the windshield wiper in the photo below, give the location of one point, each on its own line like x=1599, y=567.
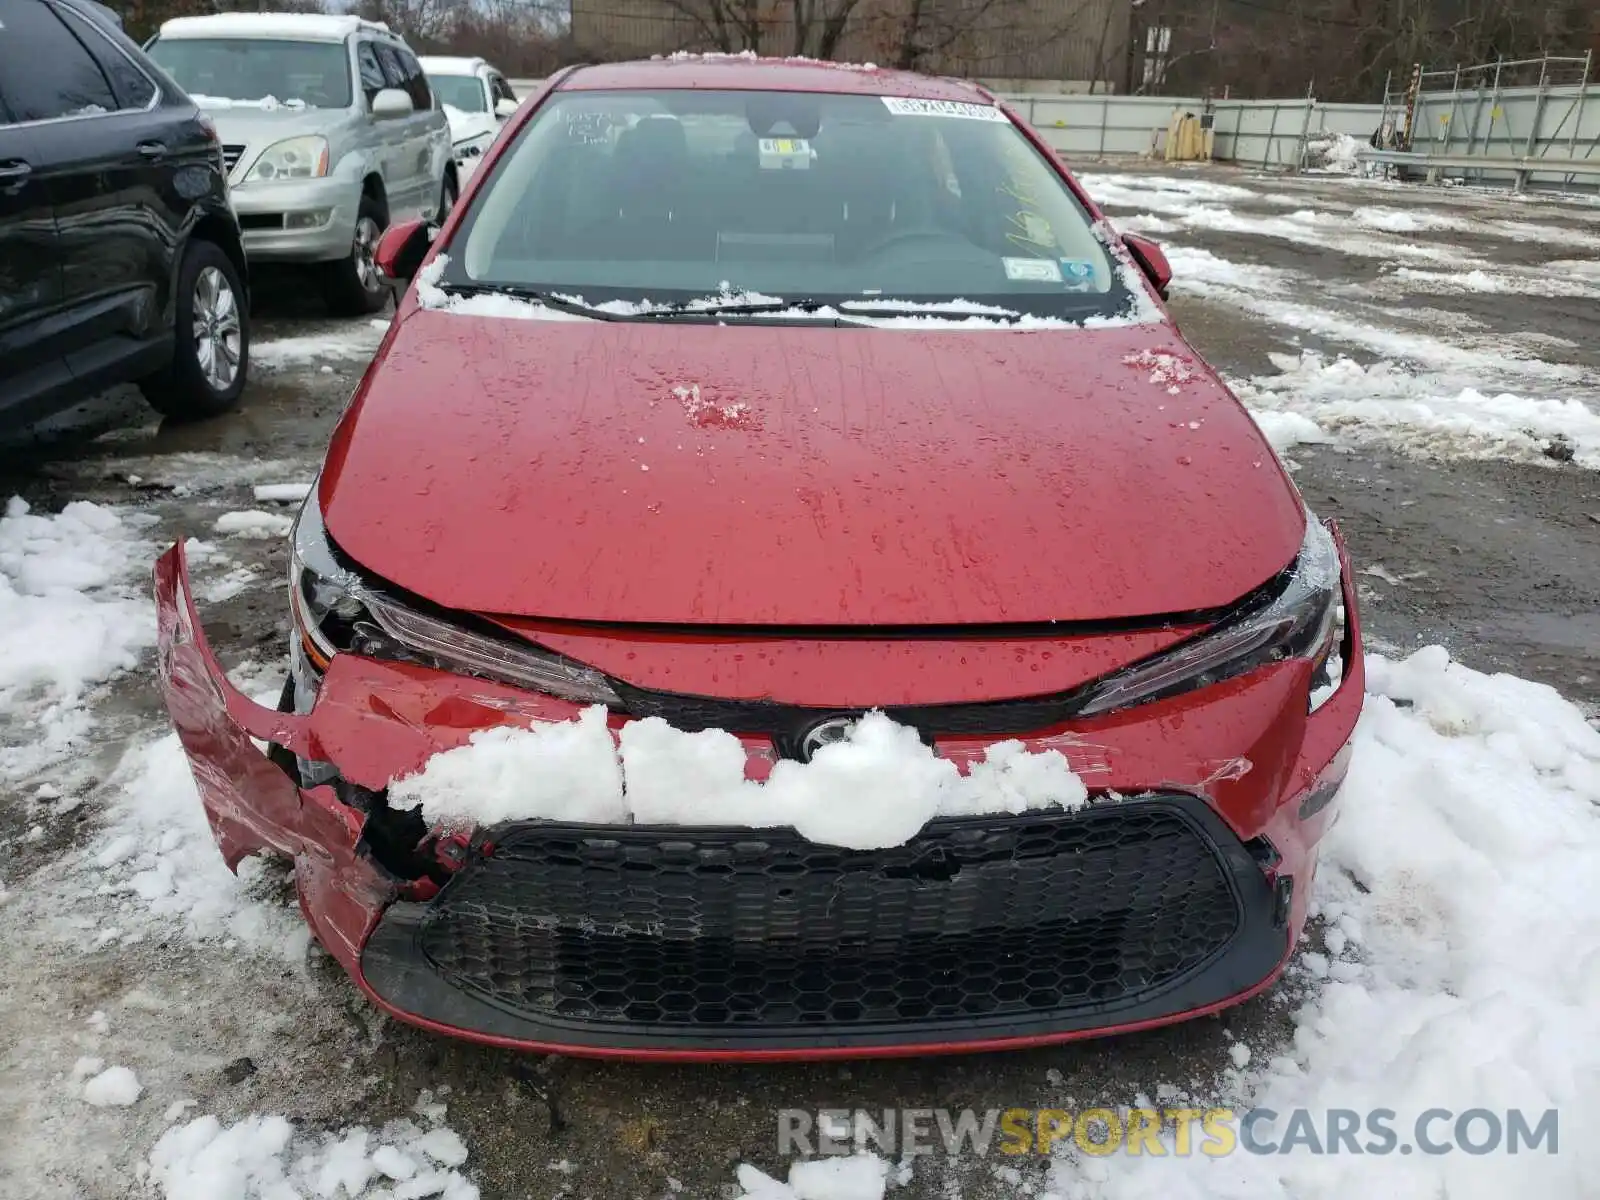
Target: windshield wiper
x=535, y=296
x=939, y=312
x=690, y=310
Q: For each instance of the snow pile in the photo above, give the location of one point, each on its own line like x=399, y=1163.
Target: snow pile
x=1426, y=415
x=346, y=343
x=157, y=865
x=1459, y=878
x=877, y=788
x=281, y=493
x=254, y=523
x=263, y=1156
x=1332, y=154
x=115, y=1087
x=1534, y=281
x=858, y=1177
x=69, y=619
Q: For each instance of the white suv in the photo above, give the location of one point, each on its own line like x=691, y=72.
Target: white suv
x=476, y=99
x=329, y=130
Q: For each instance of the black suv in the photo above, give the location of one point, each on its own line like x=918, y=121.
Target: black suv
x=120, y=256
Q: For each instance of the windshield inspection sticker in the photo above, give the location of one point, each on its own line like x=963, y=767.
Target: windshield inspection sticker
x=901, y=106
x=1077, y=273
x=1032, y=270
x=779, y=154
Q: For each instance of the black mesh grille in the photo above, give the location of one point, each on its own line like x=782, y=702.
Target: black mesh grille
x=787, y=723
x=231, y=156
x=975, y=918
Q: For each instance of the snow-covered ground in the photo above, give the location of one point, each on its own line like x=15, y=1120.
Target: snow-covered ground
x=1390, y=358
x=172, y=1034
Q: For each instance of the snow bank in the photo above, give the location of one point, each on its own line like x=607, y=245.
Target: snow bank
x=875, y=789
x=1459, y=878
x=156, y=866
x=69, y=619
x=264, y=1156
x=115, y=1087
x=254, y=523
x=1419, y=413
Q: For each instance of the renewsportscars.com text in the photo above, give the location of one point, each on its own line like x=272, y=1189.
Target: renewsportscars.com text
x=1166, y=1132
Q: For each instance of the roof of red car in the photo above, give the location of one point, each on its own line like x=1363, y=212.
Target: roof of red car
x=747, y=73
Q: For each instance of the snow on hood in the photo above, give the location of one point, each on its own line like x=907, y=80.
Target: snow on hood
x=464, y=124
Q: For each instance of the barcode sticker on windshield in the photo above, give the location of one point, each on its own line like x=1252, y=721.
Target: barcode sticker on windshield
x=902, y=106
x=1032, y=270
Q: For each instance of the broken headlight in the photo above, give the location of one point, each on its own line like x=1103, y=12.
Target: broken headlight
x=1303, y=620
x=335, y=610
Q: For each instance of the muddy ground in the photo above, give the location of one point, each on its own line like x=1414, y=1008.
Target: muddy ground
x=1498, y=561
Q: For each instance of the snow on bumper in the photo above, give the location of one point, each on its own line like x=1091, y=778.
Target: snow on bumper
x=1247, y=750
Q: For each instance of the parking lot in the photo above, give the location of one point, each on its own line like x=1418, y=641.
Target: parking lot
x=1426, y=361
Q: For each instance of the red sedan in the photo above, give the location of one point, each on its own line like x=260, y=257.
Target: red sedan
x=814, y=405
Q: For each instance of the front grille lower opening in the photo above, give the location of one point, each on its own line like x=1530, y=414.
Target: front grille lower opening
x=696, y=929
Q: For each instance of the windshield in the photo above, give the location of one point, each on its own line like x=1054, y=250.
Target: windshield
x=459, y=91
x=259, y=71
x=671, y=195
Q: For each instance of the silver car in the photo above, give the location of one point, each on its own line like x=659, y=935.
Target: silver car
x=330, y=132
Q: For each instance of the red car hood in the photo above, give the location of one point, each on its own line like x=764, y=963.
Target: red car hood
x=805, y=475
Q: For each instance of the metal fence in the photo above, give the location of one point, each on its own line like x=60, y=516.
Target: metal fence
x=1263, y=133
x=1540, y=109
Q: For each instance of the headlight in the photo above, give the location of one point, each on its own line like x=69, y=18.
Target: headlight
x=474, y=146
x=334, y=610
x=1304, y=620
x=292, y=158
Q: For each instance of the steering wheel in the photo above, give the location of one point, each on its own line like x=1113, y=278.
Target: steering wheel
x=903, y=237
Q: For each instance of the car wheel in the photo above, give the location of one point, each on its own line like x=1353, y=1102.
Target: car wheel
x=211, y=351
x=448, y=191
x=354, y=285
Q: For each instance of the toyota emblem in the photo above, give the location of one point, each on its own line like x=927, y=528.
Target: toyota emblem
x=824, y=733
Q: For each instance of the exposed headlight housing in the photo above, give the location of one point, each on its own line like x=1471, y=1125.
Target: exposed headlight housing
x=335, y=611
x=1305, y=619
x=293, y=158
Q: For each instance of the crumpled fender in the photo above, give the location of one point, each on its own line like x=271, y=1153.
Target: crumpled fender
x=251, y=803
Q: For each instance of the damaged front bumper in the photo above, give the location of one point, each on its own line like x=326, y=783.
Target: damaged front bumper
x=1180, y=892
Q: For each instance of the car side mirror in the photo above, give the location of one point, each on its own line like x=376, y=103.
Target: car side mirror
x=505, y=107
x=1152, y=261
x=401, y=250
x=391, y=103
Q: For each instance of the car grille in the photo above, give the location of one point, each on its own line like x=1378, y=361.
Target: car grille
x=231, y=156
x=716, y=929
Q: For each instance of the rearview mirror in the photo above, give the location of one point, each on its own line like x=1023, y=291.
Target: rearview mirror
x=400, y=252
x=505, y=107
x=390, y=103
x=1152, y=261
